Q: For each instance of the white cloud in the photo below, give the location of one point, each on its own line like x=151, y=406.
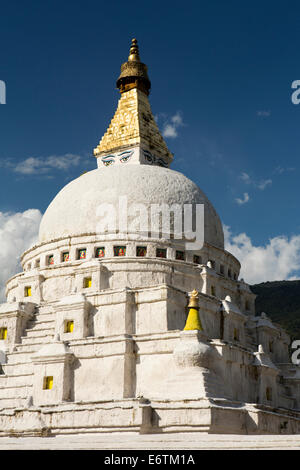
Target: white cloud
x=263, y=184
x=281, y=170
x=260, y=185
x=264, y=113
x=177, y=119
x=18, y=231
x=39, y=165
x=244, y=200
x=171, y=125
x=245, y=177
x=169, y=131
x=277, y=260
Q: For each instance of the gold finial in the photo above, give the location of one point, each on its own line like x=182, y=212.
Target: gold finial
x=133, y=72
x=134, y=52
x=194, y=299
x=193, y=321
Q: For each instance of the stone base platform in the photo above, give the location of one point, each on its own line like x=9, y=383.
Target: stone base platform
x=142, y=416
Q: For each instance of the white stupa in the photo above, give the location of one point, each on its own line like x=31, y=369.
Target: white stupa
x=128, y=330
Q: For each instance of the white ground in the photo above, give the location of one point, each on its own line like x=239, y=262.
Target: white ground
x=176, y=441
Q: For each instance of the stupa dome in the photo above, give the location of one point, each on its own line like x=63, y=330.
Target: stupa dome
x=73, y=212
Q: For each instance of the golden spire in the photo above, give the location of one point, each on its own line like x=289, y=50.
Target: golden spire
x=134, y=52
x=133, y=123
x=194, y=299
x=193, y=321
x=133, y=72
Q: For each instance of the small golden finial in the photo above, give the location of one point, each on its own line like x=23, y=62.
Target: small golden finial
x=134, y=72
x=194, y=299
x=134, y=52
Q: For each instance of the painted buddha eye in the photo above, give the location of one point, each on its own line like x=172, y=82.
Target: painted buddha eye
x=125, y=156
x=124, y=159
x=148, y=157
x=108, y=162
x=161, y=162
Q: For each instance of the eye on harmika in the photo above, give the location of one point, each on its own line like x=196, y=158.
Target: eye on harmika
x=108, y=160
x=125, y=156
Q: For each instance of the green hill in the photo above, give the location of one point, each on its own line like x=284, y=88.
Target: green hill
x=280, y=300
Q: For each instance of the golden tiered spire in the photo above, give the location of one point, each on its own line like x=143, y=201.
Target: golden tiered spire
x=134, y=52
x=133, y=72
x=133, y=123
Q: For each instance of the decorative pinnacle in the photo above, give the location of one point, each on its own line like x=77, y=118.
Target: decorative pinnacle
x=194, y=299
x=134, y=52
x=193, y=321
x=133, y=72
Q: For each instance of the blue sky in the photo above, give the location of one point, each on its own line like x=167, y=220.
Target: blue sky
x=225, y=68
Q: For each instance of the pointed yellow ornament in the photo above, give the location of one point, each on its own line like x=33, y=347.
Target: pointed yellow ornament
x=193, y=321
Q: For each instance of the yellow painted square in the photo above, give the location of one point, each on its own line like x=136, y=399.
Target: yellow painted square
x=48, y=383
x=27, y=291
x=87, y=283
x=69, y=326
x=3, y=333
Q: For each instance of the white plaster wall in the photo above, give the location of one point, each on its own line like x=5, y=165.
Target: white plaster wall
x=99, y=378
